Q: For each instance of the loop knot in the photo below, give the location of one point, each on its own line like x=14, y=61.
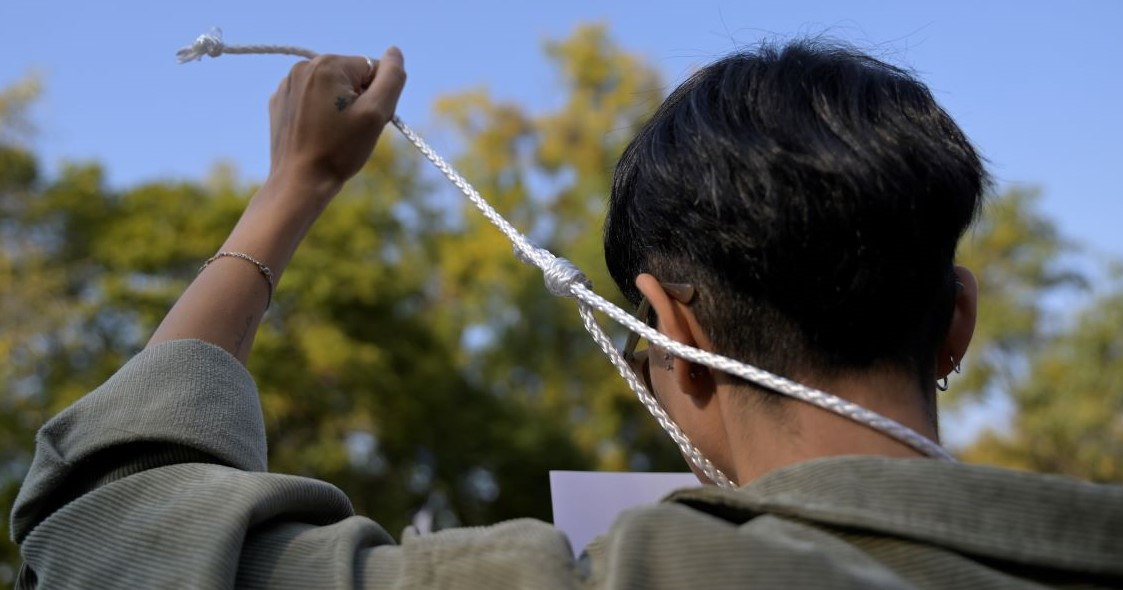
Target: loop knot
x=206, y=44
x=560, y=274
x=557, y=272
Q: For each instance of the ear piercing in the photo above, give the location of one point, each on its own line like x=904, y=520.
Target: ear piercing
x=942, y=383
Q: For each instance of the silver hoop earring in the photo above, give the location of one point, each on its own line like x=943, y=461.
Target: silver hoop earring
x=942, y=384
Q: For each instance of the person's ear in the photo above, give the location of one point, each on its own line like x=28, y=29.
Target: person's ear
x=678, y=322
x=962, y=326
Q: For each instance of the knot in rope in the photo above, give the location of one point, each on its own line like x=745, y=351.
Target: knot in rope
x=206, y=44
x=560, y=274
x=557, y=272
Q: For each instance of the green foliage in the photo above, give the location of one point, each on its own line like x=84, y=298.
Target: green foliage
x=1017, y=256
x=15, y=100
x=1069, y=407
x=550, y=173
x=1063, y=376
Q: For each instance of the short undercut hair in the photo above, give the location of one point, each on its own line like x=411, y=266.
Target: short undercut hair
x=814, y=195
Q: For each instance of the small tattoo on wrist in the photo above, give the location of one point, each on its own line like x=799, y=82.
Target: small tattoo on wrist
x=342, y=102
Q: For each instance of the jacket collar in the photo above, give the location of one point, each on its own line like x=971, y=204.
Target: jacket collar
x=1035, y=519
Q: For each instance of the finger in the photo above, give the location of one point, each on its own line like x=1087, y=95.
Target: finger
x=285, y=87
x=372, y=67
x=297, y=70
x=357, y=70
x=381, y=98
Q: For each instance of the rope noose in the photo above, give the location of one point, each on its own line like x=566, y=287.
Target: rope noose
x=565, y=279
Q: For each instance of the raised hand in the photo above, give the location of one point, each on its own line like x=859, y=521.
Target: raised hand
x=326, y=117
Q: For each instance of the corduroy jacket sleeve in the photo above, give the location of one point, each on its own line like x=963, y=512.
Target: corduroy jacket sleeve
x=158, y=479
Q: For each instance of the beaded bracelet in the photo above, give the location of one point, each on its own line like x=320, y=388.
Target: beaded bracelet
x=265, y=270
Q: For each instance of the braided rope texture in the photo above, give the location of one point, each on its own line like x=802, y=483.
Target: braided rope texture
x=564, y=279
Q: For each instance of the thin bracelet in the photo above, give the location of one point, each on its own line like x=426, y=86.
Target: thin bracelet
x=265, y=270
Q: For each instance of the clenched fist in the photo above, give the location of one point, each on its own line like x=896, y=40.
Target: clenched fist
x=326, y=117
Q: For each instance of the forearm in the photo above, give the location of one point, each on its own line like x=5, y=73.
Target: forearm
x=226, y=301
x=325, y=118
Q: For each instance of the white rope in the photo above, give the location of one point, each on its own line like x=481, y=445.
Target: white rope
x=211, y=44
x=564, y=279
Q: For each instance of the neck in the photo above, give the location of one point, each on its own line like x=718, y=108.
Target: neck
x=764, y=437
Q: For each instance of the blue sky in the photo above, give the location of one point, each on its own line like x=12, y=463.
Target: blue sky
x=1037, y=85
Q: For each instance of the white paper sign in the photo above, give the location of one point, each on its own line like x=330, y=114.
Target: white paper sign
x=586, y=503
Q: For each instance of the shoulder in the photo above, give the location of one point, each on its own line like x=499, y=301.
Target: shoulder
x=672, y=545
x=520, y=553
x=873, y=522
x=181, y=525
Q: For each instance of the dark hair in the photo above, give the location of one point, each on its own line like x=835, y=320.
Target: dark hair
x=814, y=196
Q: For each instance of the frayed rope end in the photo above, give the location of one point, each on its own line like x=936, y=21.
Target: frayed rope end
x=206, y=44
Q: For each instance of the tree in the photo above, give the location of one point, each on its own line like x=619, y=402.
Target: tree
x=15, y=100
x=550, y=174
x=25, y=283
x=1063, y=376
x=1018, y=257
x=1069, y=407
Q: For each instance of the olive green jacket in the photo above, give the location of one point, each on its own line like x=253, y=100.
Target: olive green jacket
x=158, y=479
